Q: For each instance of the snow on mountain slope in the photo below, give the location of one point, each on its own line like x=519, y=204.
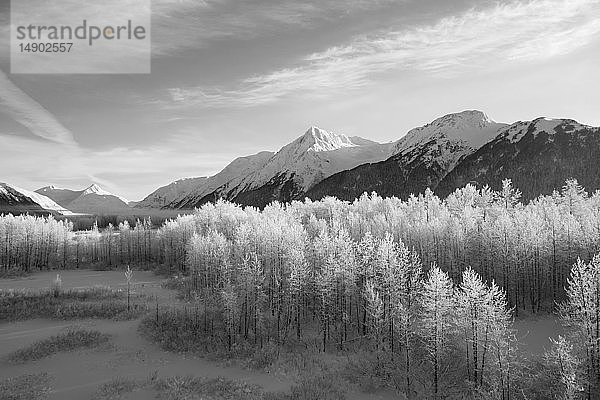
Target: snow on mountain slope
x=221, y=184
x=448, y=138
x=97, y=190
x=91, y=200
x=417, y=161
x=59, y=195
x=515, y=132
x=15, y=199
x=315, y=156
x=167, y=194
x=538, y=156
x=94, y=199
x=287, y=174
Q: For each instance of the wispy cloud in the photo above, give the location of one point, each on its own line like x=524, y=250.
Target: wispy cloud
x=32, y=115
x=181, y=24
x=131, y=172
x=506, y=33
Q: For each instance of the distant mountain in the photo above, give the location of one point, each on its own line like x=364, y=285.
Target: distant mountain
x=538, y=156
x=59, y=195
x=286, y=175
x=165, y=195
x=451, y=151
x=298, y=166
x=17, y=201
x=210, y=188
x=419, y=160
x=91, y=200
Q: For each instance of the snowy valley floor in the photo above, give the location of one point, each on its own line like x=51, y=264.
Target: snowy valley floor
x=78, y=375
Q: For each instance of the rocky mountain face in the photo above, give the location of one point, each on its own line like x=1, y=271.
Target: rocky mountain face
x=419, y=160
x=538, y=156
x=165, y=195
x=460, y=148
x=286, y=175
x=216, y=186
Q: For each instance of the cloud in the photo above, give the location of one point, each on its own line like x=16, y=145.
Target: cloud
x=131, y=172
x=519, y=31
x=182, y=24
x=32, y=115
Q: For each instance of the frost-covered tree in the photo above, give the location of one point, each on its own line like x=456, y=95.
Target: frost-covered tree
x=563, y=358
x=437, y=320
x=580, y=314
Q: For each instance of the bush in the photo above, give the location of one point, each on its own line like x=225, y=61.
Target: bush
x=210, y=389
x=186, y=387
x=69, y=341
x=26, y=387
x=318, y=387
x=12, y=273
x=96, y=302
x=181, y=331
x=116, y=388
x=264, y=357
x=371, y=372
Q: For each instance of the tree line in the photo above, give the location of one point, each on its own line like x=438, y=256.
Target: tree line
x=428, y=281
x=528, y=249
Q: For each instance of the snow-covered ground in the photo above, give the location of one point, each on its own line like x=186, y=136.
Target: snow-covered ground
x=534, y=333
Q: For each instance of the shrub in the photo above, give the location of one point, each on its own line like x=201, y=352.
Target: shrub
x=186, y=387
x=7, y=273
x=180, y=331
x=177, y=388
x=371, y=372
x=318, y=387
x=116, y=388
x=264, y=357
x=96, y=302
x=26, y=387
x=69, y=341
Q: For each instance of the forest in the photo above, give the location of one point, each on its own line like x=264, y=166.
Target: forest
x=430, y=286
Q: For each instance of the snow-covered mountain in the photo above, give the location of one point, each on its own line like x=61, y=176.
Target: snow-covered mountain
x=210, y=188
x=538, y=156
x=286, y=175
x=448, y=138
x=59, y=195
x=445, y=154
x=165, y=195
x=91, y=200
x=17, y=200
x=420, y=159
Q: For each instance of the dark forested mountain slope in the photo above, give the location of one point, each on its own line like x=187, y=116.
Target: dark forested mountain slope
x=419, y=160
x=538, y=156
x=287, y=174
x=443, y=155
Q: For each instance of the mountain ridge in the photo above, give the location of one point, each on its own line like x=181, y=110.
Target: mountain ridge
x=418, y=160
x=91, y=200
x=442, y=155
x=14, y=199
x=538, y=156
x=285, y=174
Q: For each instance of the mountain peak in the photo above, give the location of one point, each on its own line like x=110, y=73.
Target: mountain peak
x=549, y=126
x=23, y=200
x=94, y=188
x=48, y=188
x=472, y=128
x=317, y=139
x=467, y=118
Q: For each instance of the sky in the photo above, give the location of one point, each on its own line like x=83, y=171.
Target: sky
x=231, y=78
